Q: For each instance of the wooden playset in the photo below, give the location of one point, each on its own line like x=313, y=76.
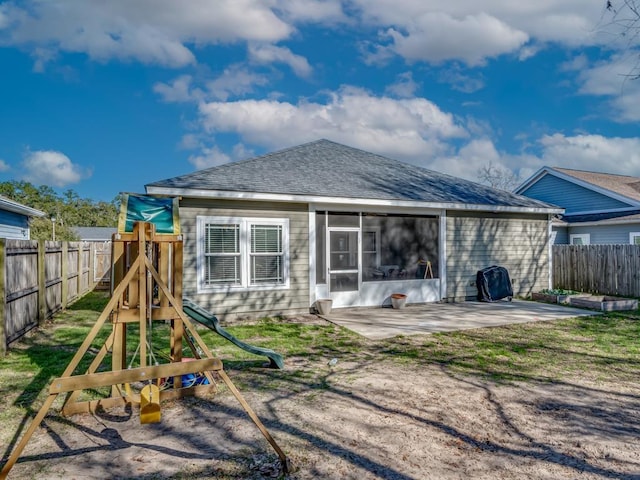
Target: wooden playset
x=147, y=280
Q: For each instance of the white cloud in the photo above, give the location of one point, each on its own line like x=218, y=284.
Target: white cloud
x=267, y=54
x=459, y=81
x=404, y=86
x=236, y=80
x=150, y=31
x=469, y=159
x=476, y=30
x=48, y=167
x=312, y=10
x=179, y=90
x=592, y=152
x=412, y=129
x=165, y=32
x=581, y=152
x=209, y=157
x=576, y=64
x=611, y=79
x=437, y=36
x=189, y=141
x=4, y=16
x=4, y=166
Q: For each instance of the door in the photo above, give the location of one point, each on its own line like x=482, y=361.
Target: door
x=343, y=266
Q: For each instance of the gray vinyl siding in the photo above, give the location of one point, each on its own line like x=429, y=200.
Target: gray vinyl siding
x=606, y=234
x=14, y=226
x=476, y=241
x=249, y=304
x=573, y=198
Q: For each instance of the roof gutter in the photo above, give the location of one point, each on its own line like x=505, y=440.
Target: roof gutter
x=272, y=197
x=16, y=207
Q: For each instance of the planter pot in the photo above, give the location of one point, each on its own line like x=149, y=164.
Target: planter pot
x=398, y=300
x=323, y=306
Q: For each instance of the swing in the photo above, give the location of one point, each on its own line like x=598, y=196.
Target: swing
x=150, y=404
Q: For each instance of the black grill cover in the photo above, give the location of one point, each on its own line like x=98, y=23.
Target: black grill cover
x=493, y=284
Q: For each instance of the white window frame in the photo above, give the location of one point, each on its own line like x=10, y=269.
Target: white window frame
x=586, y=238
x=245, y=224
x=632, y=237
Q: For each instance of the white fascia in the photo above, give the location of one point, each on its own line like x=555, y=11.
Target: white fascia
x=16, y=207
x=273, y=197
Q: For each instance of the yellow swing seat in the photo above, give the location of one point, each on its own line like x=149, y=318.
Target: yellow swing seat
x=150, y=404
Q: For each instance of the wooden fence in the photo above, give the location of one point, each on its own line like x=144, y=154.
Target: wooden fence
x=602, y=269
x=37, y=279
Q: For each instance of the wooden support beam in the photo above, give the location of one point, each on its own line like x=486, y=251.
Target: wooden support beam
x=92, y=406
x=105, y=379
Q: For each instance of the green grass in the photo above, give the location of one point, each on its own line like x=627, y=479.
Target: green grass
x=603, y=348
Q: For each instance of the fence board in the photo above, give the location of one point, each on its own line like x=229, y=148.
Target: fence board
x=602, y=269
x=30, y=294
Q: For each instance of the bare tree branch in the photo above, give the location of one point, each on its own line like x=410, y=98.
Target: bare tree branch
x=498, y=177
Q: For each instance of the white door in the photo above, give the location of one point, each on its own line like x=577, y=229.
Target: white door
x=343, y=253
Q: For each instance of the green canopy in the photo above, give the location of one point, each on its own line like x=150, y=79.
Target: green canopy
x=161, y=211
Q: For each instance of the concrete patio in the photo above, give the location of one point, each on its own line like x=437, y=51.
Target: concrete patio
x=380, y=323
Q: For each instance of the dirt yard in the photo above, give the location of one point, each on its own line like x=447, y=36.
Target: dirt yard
x=359, y=421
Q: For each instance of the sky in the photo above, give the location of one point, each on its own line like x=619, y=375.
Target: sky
x=102, y=97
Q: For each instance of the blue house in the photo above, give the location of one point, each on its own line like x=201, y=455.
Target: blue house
x=14, y=219
x=600, y=208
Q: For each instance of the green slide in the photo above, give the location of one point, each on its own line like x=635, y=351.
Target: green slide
x=210, y=321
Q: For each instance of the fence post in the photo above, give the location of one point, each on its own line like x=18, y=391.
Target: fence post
x=91, y=282
x=64, y=273
x=79, y=269
x=42, y=284
x=3, y=300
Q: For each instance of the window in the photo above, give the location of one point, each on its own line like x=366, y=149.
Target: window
x=634, y=238
x=242, y=253
x=580, y=239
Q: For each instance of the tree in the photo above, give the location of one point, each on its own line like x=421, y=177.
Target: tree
x=68, y=210
x=498, y=177
x=625, y=19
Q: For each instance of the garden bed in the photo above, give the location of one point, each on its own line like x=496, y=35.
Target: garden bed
x=556, y=296
x=604, y=303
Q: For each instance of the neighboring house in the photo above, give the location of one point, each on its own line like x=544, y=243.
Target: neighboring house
x=600, y=208
x=94, y=234
x=275, y=233
x=14, y=219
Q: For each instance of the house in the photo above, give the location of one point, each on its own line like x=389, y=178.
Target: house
x=600, y=208
x=14, y=219
x=273, y=234
x=94, y=234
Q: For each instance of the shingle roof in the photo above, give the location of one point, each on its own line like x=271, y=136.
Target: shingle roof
x=620, y=184
x=95, y=233
x=328, y=169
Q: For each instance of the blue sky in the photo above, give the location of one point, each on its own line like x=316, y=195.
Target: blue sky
x=103, y=97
